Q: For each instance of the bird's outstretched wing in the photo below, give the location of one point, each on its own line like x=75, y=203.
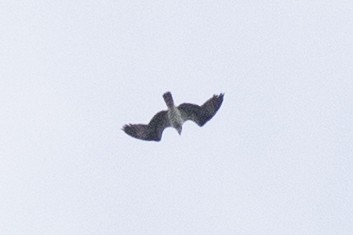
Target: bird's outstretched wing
x=201, y=114
x=152, y=131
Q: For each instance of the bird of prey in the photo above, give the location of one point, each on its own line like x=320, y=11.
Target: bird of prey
x=174, y=117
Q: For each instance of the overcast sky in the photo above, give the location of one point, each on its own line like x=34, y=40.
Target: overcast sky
x=276, y=159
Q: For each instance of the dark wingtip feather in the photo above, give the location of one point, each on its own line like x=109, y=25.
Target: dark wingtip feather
x=220, y=96
x=128, y=129
x=210, y=108
x=218, y=100
x=133, y=131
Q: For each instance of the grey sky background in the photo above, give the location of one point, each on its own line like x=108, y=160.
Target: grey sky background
x=276, y=159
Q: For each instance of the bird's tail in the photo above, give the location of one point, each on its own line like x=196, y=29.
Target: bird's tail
x=168, y=99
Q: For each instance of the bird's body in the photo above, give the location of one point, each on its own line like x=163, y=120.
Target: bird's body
x=174, y=117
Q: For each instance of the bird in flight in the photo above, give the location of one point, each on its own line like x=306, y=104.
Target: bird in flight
x=174, y=117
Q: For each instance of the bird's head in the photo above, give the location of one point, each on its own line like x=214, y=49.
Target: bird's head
x=179, y=129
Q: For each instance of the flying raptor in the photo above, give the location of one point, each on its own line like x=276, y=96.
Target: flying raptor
x=174, y=117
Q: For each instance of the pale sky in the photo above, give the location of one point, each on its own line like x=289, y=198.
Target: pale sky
x=276, y=159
